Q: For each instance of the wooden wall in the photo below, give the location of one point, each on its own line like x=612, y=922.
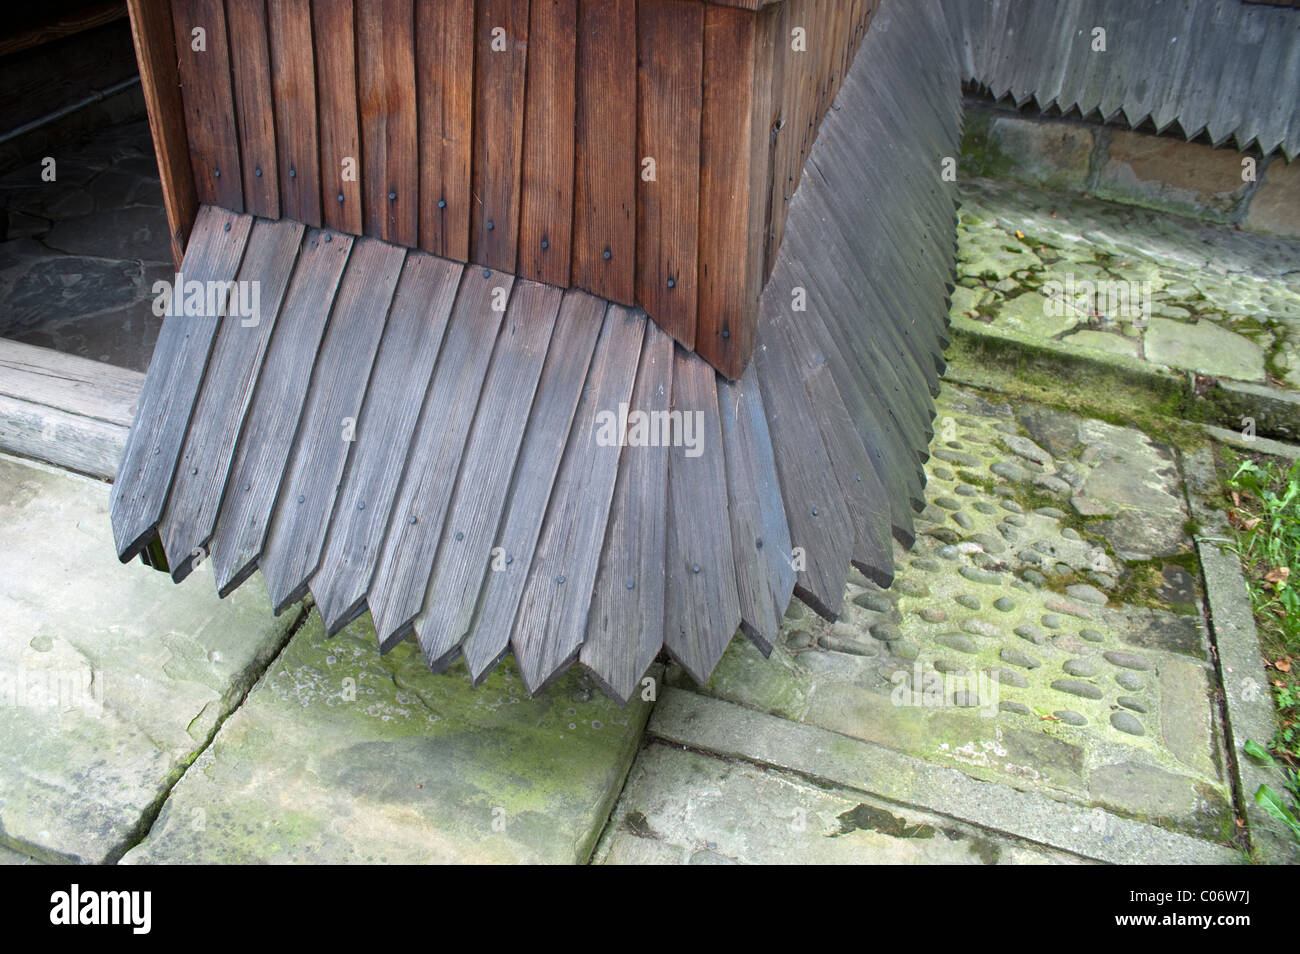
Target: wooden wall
x=643, y=150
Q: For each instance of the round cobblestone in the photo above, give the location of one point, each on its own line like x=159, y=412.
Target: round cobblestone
x=1016, y=658
x=1079, y=667
x=1127, y=661
x=1077, y=687
x=1009, y=677
x=874, y=602
x=1130, y=681
x=1127, y=722
x=1031, y=633
x=963, y=644
x=976, y=575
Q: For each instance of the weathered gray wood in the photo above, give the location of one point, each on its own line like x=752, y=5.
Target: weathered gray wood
x=577, y=328
x=894, y=462
x=233, y=367
x=175, y=372
x=552, y=619
x=272, y=419
x=489, y=462
x=421, y=307
x=760, y=536
x=701, y=607
x=863, y=347
x=327, y=428
x=625, y=624
x=862, y=491
x=84, y=444
x=820, y=531
x=406, y=562
x=65, y=382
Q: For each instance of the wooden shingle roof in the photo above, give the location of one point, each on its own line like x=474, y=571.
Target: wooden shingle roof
x=1227, y=69
x=429, y=441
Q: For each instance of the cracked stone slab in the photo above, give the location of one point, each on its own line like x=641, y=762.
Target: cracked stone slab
x=684, y=807
x=111, y=677
x=1136, y=290
x=829, y=759
x=342, y=755
x=1134, y=481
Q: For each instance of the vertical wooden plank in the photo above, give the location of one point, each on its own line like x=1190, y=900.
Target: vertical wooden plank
x=625, y=625
x=293, y=73
x=175, y=373
x=260, y=455
x=412, y=339
x=546, y=217
x=552, y=619
x=522, y=371
x=326, y=429
x=605, y=160
x=550, y=423
x=815, y=510
x=702, y=607
x=501, y=54
x=250, y=65
x=780, y=135
x=386, y=90
x=154, y=36
x=420, y=508
x=733, y=177
x=334, y=40
x=203, y=57
x=444, y=36
x=670, y=39
x=760, y=536
x=233, y=368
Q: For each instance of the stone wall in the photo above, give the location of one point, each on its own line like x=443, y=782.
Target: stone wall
x=1224, y=186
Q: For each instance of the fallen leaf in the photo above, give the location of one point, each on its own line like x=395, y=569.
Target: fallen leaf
x=1282, y=665
x=1278, y=574
x=1251, y=523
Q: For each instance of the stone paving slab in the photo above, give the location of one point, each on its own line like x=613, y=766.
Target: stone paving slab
x=82, y=253
x=684, y=807
x=111, y=677
x=1188, y=296
x=1046, y=631
x=340, y=755
x=735, y=732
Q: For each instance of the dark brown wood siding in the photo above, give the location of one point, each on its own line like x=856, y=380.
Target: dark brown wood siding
x=642, y=150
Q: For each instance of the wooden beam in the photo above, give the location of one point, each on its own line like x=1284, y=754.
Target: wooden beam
x=69, y=24
x=155, y=52
x=65, y=410
x=734, y=173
